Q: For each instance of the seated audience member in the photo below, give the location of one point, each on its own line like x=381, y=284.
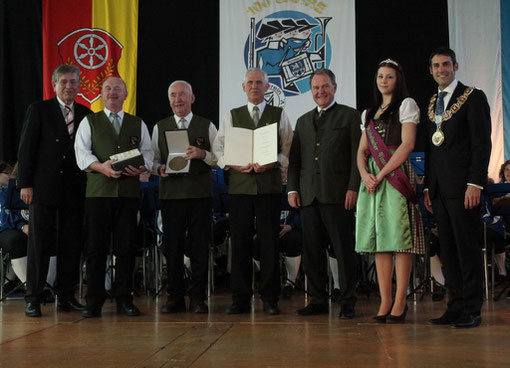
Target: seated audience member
x=14, y=233
x=499, y=239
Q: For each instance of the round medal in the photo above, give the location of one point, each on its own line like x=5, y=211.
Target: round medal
x=438, y=138
x=178, y=163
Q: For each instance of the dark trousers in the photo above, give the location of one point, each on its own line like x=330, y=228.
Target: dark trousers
x=323, y=224
x=111, y=222
x=245, y=211
x=460, y=233
x=193, y=216
x=53, y=230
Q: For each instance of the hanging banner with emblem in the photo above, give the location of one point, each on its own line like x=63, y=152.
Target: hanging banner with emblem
x=288, y=39
x=98, y=36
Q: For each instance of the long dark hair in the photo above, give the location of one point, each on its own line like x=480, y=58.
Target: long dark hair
x=502, y=171
x=390, y=115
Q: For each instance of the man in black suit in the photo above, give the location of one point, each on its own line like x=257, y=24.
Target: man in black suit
x=457, y=157
x=54, y=187
x=323, y=180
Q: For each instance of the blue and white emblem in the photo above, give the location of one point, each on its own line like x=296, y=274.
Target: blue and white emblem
x=288, y=46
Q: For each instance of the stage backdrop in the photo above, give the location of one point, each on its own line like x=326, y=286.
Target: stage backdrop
x=479, y=57
x=100, y=37
x=288, y=40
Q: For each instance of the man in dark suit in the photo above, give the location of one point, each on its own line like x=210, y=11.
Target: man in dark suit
x=457, y=157
x=54, y=187
x=323, y=180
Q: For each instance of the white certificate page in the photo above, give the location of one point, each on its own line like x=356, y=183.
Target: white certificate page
x=265, y=144
x=238, y=146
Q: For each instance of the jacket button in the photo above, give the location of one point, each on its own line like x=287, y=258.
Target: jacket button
x=61, y=172
x=64, y=156
x=316, y=159
x=318, y=144
x=57, y=140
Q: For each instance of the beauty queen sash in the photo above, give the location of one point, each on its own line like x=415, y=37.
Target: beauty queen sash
x=381, y=154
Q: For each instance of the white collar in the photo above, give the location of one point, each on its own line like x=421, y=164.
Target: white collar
x=319, y=109
x=187, y=118
x=120, y=113
x=261, y=106
x=451, y=87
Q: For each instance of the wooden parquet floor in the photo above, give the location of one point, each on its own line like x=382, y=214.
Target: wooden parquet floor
x=250, y=340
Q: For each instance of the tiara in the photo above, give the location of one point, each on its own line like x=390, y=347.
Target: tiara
x=389, y=61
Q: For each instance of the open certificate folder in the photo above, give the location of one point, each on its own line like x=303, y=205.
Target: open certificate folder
x=246, y=146
x=176, y=143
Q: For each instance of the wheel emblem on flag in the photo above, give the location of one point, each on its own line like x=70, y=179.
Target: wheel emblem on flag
x=91, y=51
x=97, y=54
x=289, y=46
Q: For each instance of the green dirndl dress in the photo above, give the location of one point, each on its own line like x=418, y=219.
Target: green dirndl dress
x=386, y=221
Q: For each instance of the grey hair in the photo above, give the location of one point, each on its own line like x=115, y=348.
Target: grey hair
x=324, y=71
x=177, y=82
x=266, y=78
x=64, y=69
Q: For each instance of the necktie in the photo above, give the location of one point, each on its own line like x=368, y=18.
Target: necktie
x=116, y=122
x=321, y=112
x=256, y=116
x=182, y=123
x=440, y=103
x=69, y=120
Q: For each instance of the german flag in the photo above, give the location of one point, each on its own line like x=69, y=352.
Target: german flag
x=98, y=36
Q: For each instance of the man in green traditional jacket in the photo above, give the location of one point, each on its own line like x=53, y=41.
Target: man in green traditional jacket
x=254, y=198
x=185, y=199
x=323, y=181
x=112, y=197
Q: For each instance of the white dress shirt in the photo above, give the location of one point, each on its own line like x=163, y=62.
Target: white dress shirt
x=210, y=158
x=285, y=131
x=83, y=143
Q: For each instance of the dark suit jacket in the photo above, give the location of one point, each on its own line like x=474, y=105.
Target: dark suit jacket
x=464, y=155
x=322, y=162
x=46, y=158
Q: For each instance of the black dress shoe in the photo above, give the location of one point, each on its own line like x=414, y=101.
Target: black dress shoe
x=91, y=312
x=69, y=305
x=447, y=318
x=237, y=308
x=287, y=292
x=313, y=309
x=271, y=308
x=33, y=309
x=174, y=306
x=347, y=311
x=47, y=296
x=128, y=308
x=467, y=321
x=199, y=307
x=335, y=295
x=398, y=319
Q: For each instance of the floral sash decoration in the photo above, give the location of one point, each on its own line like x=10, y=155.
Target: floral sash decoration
x=381, y=154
